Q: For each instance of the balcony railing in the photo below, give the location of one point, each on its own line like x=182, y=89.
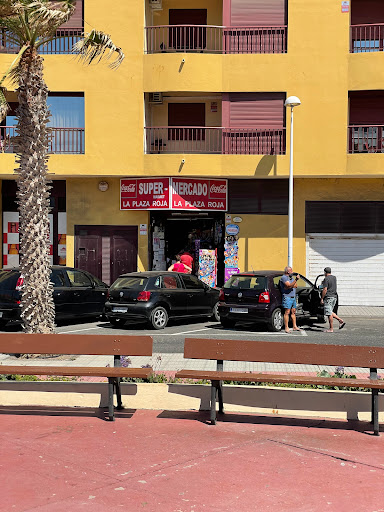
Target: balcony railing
x=62, y=45
x=367, y=38
x=215, y=39
x=60, y=140
x=366, y=139
x=214, y=140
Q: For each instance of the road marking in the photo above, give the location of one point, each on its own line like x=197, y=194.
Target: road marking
x=303, y=333
x=80, y=330
x=188, y=332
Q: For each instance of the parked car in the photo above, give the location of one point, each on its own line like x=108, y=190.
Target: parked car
x=157, y=296
x=255, y=296
x=77, y=294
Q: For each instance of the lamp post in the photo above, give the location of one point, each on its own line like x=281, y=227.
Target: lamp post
x=292, y=101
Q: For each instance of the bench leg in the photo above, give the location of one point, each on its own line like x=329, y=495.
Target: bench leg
x=375, y=411
x=213, y=401
x=220, y=393
x=118, y=393
x=111, y=408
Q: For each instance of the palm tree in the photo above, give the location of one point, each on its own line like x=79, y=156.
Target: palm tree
x=31, y=24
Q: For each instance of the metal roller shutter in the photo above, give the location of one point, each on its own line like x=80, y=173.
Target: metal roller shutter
x=356, y=260
x=259, y=13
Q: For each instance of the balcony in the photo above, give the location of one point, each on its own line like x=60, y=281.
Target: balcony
x=62, y=45
x=68, y=141
x=366, y=139
x=367, y=38
x=214, y=140
x=215, y=39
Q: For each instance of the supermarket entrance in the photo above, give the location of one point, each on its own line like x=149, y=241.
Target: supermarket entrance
x=171, y=232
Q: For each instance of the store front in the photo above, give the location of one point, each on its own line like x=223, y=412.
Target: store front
x=186, y=214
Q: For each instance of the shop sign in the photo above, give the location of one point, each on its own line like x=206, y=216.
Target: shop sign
x=345, y=6
x=145, y=194
x=232, y=229
x=143, y=229
x=199, y=194
x=228, y=219
x=229, y=272
x=237, y=220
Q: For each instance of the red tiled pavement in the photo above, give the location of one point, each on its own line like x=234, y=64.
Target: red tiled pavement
x=56, y=460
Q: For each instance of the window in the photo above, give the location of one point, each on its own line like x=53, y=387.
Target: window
x=192, y=283
x=171, y=282
x=57, y=279
x=258, y=283
x=264, y=197
x=129, y=283
x=276, y=281
x=79, y=279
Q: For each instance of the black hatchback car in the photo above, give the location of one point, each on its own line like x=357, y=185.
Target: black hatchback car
x=76, y=293
x=157, y=296
x=256, y=297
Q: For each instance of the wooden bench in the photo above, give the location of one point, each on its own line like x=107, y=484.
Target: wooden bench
x=78, y=344
x=291, y=353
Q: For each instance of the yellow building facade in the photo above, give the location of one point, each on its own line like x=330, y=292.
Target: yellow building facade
x=316, y=53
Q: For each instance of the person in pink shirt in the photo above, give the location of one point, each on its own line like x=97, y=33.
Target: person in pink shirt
x=186, y=259
x=179, y=266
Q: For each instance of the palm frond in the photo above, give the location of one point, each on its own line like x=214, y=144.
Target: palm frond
x=48, y=13
x=97, y=45
x=4, y=107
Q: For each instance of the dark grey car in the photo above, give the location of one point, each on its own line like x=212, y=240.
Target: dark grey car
x=76, y=293
x=156, y=296
x=256, y=297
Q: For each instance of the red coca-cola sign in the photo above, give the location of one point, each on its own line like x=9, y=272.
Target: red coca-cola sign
x=145, y=194
x=199, y=194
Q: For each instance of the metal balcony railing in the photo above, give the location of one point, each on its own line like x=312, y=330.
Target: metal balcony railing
x=62, y=45
x=366, y=139
x=367, y=38
x=214, y=140
x=60, y=140
x=215, y=39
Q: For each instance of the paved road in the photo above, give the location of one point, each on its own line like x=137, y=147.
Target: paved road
x=358, y=331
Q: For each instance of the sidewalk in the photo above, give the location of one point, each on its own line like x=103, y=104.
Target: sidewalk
x=59, y=460
x=367, y=311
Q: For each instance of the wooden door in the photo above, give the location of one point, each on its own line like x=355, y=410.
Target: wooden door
x=183, y=36
x=106, y=251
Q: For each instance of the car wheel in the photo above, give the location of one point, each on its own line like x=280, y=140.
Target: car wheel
x=276, y=321
x=115, y=321
x=159, y=318
x=215, y=313
x=321, y=319
x=3, y=323
x=226, y=322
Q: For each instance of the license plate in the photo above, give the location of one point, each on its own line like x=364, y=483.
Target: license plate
x=119, y=310
x=238, y=310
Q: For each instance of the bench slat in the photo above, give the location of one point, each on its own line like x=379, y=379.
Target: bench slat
x=284, y=352
x=82, y=344
x=69, y=371
x=284, y=379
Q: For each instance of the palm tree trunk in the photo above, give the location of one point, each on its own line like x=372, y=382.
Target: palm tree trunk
x=37, y=306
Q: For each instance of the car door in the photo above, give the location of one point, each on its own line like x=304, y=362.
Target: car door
x=174, y=294
x=81, y=292
x=198, y=298
x=98, y=294
x=62, y=294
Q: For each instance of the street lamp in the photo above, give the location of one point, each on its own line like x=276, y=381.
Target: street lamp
x=292, y=101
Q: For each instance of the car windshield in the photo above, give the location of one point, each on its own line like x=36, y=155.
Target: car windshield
x=129, y=283
x=247, y=283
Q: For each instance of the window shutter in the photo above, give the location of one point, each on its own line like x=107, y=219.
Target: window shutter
x=259, y=13
x=253, y=110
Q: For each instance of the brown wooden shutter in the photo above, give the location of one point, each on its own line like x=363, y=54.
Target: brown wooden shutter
x=254, y=110
x=259, y=13
x=186, y=114
x=366, y=108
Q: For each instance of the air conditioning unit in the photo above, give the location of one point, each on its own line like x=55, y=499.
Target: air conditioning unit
x=156, y=98
x=156, y=4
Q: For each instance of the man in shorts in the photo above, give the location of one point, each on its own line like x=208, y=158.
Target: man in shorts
x=329, y=298
x=288, y=285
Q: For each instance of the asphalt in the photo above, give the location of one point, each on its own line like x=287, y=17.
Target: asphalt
x=58, y=459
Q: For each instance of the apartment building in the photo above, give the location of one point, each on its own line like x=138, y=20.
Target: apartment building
x=187, y=143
